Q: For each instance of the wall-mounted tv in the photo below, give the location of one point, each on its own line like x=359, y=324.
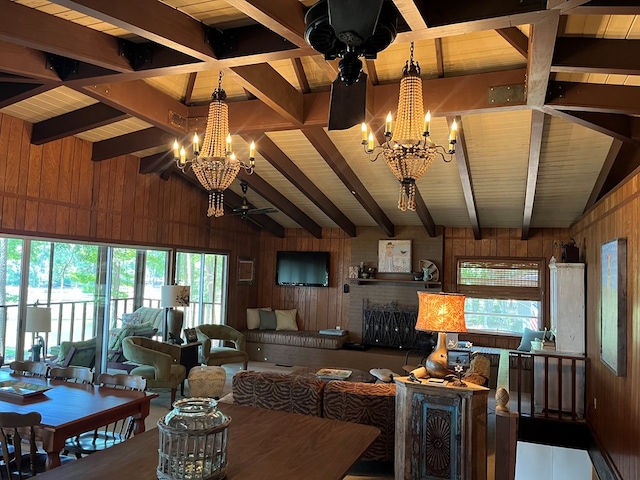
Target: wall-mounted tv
x=308, y=269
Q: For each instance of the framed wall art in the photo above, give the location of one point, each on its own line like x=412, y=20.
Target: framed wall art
x=394, y=256
x=246, y=267
x=613, y=305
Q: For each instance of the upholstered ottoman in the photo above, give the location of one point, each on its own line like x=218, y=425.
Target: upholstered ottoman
x=206, y=381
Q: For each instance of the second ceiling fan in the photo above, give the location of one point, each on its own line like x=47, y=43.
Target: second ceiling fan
x=246, y=208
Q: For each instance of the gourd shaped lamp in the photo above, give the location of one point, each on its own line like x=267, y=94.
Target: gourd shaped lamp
x=442, y=313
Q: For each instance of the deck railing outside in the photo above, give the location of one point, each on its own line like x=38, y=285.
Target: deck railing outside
x=74, y=321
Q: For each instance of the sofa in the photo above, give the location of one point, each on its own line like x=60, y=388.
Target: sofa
x=364, y=403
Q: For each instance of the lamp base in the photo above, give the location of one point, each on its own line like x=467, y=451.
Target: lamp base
x=35, y=353
x=175, y=319
x=437, y=362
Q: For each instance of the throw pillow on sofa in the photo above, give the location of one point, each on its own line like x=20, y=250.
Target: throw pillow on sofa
x=253, y=317
x=267, y=320
x=286, y=319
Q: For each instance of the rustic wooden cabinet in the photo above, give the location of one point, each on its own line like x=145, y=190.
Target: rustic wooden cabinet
x=441, y=431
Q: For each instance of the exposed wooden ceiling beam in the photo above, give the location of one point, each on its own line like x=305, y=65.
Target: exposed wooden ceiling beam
x=541, y=43
x=25, y=61
x=300, y=75
x=625, y=163
x=535, y=146
x=596, y=55
x=411, y=14
x=609, y=161
x=191, y=82
x=269, y=86
x=77, y=121
x=424, y=214
x=276, y=157
x=157, y=163
x=282, y=203
x=152, y=20
x=77, y=42
x=612, y=124
x=591, y=97
x=131, y=142
x=284, y=17
x=326, y=148
x=371, y=71
x=439, y=57
x=516, y=39
x=11, y=93
x=459, y=22
x=464, y=170
x=605, y=7
x=141, y=100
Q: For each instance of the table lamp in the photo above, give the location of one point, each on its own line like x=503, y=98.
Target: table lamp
x=442, y=313
x=38, y=320
x=174, y=296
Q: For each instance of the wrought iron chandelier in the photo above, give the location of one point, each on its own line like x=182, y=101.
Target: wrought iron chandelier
x=215, y=164
x=408, y=151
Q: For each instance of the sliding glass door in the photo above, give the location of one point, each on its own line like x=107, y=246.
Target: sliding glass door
x=207, y=274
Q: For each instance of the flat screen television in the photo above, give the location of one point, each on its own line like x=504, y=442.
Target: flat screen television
x=307, y=269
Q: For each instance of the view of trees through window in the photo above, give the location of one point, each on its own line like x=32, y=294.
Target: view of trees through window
x=206, y=273
x=503, y=295
x=72, y=279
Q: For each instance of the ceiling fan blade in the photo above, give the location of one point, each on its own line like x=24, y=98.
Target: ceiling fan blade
x=348, y=103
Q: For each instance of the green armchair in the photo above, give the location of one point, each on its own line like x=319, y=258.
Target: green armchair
x=78, y=354
x=159, y=362
x=219, y=355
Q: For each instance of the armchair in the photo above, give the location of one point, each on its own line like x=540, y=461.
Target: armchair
x=219, y=355
x=159, y=362
x=78, y=354
x=144, y=322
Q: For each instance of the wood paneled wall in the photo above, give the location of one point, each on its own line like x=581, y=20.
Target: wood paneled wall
x=500, y=242
x=616, y=420
x=56, y=191
x=318, y=307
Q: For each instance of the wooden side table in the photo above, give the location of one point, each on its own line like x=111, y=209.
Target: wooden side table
x=188, y=358
x=441, y=431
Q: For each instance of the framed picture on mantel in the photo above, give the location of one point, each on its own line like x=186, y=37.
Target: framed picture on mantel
x=613, y=306
x=394, y=256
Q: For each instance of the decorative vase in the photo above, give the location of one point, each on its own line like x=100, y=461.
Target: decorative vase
x=193, y=441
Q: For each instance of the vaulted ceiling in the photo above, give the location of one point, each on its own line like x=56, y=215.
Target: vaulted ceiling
x=546, y=95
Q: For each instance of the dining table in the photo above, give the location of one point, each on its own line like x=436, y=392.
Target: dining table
x=265, y=444
x=69, y=409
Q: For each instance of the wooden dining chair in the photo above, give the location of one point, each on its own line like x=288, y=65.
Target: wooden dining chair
x=29, y=369
x=113, y=433
x=12, y=428
x=72, y=374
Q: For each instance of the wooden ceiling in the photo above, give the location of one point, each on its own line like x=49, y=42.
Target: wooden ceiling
x=546, y=95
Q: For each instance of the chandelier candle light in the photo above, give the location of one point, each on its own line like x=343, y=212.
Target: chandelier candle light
x=215, y=164
x=408, y=149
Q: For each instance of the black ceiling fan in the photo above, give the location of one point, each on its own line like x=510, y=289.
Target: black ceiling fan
x=246, y=208
x=349, y=30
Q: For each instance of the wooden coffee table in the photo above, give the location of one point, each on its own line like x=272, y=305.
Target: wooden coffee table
x=356, y=375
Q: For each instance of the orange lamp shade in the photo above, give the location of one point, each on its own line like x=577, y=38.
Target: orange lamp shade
x=440, y=312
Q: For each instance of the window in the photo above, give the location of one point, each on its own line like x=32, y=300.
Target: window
x=206, y=273
x=503, y=295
